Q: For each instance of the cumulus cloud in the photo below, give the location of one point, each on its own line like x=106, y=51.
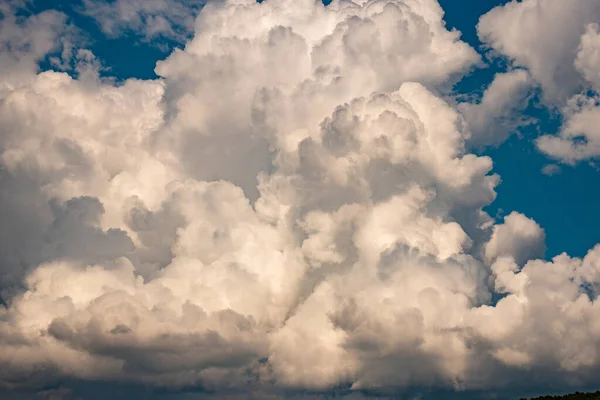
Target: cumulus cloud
x=498, y=114
x=588, y=56
x=292, y=205
x=559, y=44
x=543, y=36
x=579, y=138
x=519, y=237
x=26, y=41
x=150, y=19
x=534, y=325
x=551, y=169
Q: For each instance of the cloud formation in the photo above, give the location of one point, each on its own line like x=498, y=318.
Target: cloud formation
x=150, y=19
x=559, y=44
x=497, y=115
x=290, y=206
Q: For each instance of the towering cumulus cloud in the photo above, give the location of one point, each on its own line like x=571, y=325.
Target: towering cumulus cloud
x=290, y=206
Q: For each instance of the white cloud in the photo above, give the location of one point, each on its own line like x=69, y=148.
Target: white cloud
x=541, y=35
x=151, y=19
x=558, y=43
x=291, y=205
x=497, y=115
x=579, y=138
x=551, y=169
x=518, y=237
x=546, y=319
x=23, y=43
x=588, y=56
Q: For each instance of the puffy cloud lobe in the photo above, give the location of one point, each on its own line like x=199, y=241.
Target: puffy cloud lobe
x=588, y=56
x=301, y=52
x=24, y=43
x=579, y=138
x=290, y=205
x=558, y=44
x=546, y=320
x=115, y=327
x=74, y=233
x=518, y=237
x=165, y=329
x=63, y=138
x=551, y=169
x=541, y=36
x=496, y=116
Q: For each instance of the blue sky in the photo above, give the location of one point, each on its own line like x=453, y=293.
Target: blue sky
x=155, y=256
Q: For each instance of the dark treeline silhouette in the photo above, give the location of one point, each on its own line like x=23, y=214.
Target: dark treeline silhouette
x=573, y=396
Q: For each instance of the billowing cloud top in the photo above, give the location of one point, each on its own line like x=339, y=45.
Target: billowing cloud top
x=292, y=205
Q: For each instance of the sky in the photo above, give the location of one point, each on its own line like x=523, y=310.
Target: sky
x=289, y=199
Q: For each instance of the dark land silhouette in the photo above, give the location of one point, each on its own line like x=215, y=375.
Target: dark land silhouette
x=572, y=396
